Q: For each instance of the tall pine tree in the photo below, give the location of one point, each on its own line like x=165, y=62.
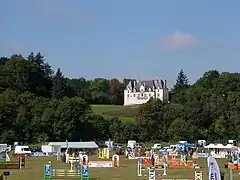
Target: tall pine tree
x=178, y=92
x=181, y=81
x=60, y=88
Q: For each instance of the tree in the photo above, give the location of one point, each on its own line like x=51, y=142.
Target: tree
x=22, y=75
x=15, y=74
x=178, y=92
x=115, y=91
x=178, y=130
x=42, y=72
x=116, y=129
x=37, y=107
x=182, y=81
x=208, y=80
x=150, y=116
x=81, y=87
x=99, y=89
x=8, y=114
x=60, y=88
x=70, y=115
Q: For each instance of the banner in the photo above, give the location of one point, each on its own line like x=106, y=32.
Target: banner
x=202, y=155
x=213, y=169
x=100, y=164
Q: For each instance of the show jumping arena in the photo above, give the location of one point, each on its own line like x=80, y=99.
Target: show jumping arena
x=127, y=170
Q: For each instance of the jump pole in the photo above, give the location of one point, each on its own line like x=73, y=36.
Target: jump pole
x=139, y=168
x=164, y=169
x=71, y=165
x=151, y=174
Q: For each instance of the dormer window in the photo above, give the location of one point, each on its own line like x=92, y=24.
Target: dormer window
x=142, y=89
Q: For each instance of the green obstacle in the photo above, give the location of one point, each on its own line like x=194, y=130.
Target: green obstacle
x=47, y=173
x=50, y=173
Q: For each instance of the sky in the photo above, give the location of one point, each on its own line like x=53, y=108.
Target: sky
x=127, y=38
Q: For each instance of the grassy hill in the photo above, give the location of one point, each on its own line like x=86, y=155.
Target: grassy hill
x=125, y=113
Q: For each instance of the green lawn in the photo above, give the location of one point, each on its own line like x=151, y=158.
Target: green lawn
x=127, y=170
x=125, y=113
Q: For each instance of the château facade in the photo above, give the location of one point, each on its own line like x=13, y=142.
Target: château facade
x=139, y=92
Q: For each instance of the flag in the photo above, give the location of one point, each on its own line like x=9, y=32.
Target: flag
x=213, y=169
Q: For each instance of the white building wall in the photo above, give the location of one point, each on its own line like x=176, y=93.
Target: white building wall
x=126, y=98
x=133, y=98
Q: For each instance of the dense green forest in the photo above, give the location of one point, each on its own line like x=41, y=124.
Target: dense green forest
x=40, y=105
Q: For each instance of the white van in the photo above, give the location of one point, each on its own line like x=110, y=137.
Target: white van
x=131, y=144
x=157, y=146
x=22, y=150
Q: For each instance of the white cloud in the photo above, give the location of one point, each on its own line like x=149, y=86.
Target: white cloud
x=178, y=40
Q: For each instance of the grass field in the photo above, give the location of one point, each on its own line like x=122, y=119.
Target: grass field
x=127, y=170
x=125, y=113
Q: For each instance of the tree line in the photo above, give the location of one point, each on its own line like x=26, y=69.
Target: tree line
x=39, y=105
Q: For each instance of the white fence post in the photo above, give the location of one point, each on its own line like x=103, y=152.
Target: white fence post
x=152, y=174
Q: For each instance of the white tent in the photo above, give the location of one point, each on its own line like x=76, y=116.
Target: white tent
x=220, y=146
x=210, y=146
x=230, y=146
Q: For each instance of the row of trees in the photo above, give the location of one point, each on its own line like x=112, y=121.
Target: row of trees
x=37, y=105
x=19, y=73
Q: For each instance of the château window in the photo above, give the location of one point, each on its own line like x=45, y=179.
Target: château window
x=138, y=95
x=149, y=95
x=134, y=95
x=145, y=95
x=128, y=95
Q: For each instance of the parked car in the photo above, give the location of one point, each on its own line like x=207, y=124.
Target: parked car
x=22, y=150
x=157, y=146
x=164, y=149
x=119, y=146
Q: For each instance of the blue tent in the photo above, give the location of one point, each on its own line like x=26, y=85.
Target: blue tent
x=164, y=153
x=185, y=145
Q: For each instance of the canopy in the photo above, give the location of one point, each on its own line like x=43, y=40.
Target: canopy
x=185, y=145
x=220, y=146
x=210, y=146
x=230, y=146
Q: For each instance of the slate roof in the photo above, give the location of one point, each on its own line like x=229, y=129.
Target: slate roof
x=153, y=84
